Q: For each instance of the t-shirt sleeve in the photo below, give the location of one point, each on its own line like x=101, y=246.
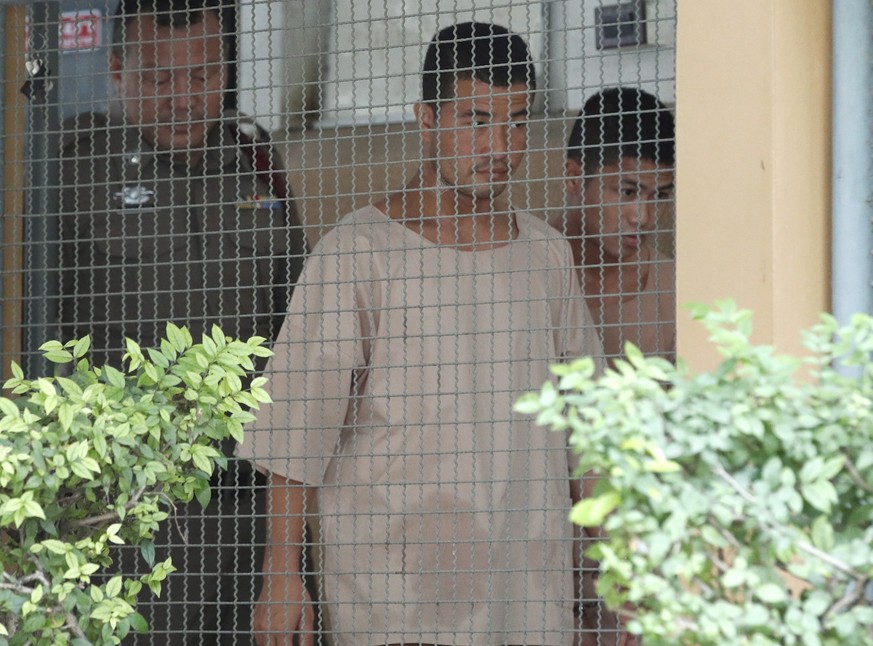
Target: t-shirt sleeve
x=579, y=338
x=316, y=354
x=578, y=334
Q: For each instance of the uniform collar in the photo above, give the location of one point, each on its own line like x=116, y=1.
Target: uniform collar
x=126, y=141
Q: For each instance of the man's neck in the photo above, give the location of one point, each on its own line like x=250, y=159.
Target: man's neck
x=190, y=159
x=614, y=277
x=443, y=215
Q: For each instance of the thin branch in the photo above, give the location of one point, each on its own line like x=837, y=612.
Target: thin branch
x=14, y=587
x=856, y=476
x=719, y=563
x=736, y=486
x=802, y=545
x=730, y=538
x=21, y=585
x=111, y=515
x=829, y=559
x=72, y=622
x=74, y=626
x=36, y=576
x=697, y=581
x=853, y=595
x=68, y=500
x=39, y=571
x=102, y=518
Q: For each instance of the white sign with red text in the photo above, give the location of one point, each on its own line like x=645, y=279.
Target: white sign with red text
x=81, y=30
x=77, y=30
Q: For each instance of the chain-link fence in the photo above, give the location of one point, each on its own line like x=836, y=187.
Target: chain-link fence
x=420, y=227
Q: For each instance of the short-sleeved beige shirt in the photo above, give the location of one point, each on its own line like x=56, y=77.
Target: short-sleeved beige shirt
x=443, y=512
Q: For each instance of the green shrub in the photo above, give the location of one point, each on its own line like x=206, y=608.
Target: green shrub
x=713, y=487
x=100, y=457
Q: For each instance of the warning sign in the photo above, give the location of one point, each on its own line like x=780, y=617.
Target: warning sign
x=81, y=30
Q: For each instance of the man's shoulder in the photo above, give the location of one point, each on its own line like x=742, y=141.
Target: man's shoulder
x=241, y=137
x=660, y=257
x=366, y=231
x=368, y=214
x=244, y=126
x=365, y=222
x=662, y=272
x=85, y=121
x=537, y=231
x=549, y=248
x=537, y=228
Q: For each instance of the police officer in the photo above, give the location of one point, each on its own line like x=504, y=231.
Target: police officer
x=175, y=209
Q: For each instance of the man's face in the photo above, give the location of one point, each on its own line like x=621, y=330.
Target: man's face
x=171, y=80
x=615, y=209
x=477, y=139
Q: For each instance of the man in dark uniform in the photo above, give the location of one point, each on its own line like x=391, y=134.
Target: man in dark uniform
x=176, y=209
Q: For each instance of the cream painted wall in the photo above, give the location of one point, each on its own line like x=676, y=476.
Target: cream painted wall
x=753, y=165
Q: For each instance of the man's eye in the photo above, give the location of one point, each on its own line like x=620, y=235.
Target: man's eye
x=521, y=123
x=205, y=75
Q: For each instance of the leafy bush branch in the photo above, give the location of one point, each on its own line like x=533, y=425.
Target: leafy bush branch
x=100, y=457
x=737, y=503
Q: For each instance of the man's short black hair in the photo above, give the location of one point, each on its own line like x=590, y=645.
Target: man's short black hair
x=168, y=13
x=622, y=122
x=474, y=50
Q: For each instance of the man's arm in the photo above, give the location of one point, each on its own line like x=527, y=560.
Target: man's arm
x=597, y=625
x=284, y=607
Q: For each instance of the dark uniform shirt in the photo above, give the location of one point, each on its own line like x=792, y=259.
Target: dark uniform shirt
x=145, y=241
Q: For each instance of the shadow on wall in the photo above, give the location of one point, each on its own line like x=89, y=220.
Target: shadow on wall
x=336, y=170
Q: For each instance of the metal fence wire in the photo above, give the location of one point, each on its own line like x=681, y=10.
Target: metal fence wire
x=404, y=198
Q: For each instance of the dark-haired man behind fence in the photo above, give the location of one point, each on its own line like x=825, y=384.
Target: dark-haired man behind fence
x=620, y=167
x=416, y=324
x=176, y=209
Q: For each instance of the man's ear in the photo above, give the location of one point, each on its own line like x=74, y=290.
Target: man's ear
x=116, y=65
x=425, y=115
x=573, y=174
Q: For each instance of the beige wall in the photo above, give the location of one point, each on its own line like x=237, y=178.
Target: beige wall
x=753, y=165
x=14, y=183
x=336, y=170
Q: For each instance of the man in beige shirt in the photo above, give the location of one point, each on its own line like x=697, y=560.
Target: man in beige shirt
x=620, y=158
x=416, y=324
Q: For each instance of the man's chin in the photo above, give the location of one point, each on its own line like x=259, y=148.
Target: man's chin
x=483, y=190
x=476, y=190
x=489, y=191
x=179, y=140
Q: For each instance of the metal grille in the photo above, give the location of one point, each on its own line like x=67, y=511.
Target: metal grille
x=213, y=157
